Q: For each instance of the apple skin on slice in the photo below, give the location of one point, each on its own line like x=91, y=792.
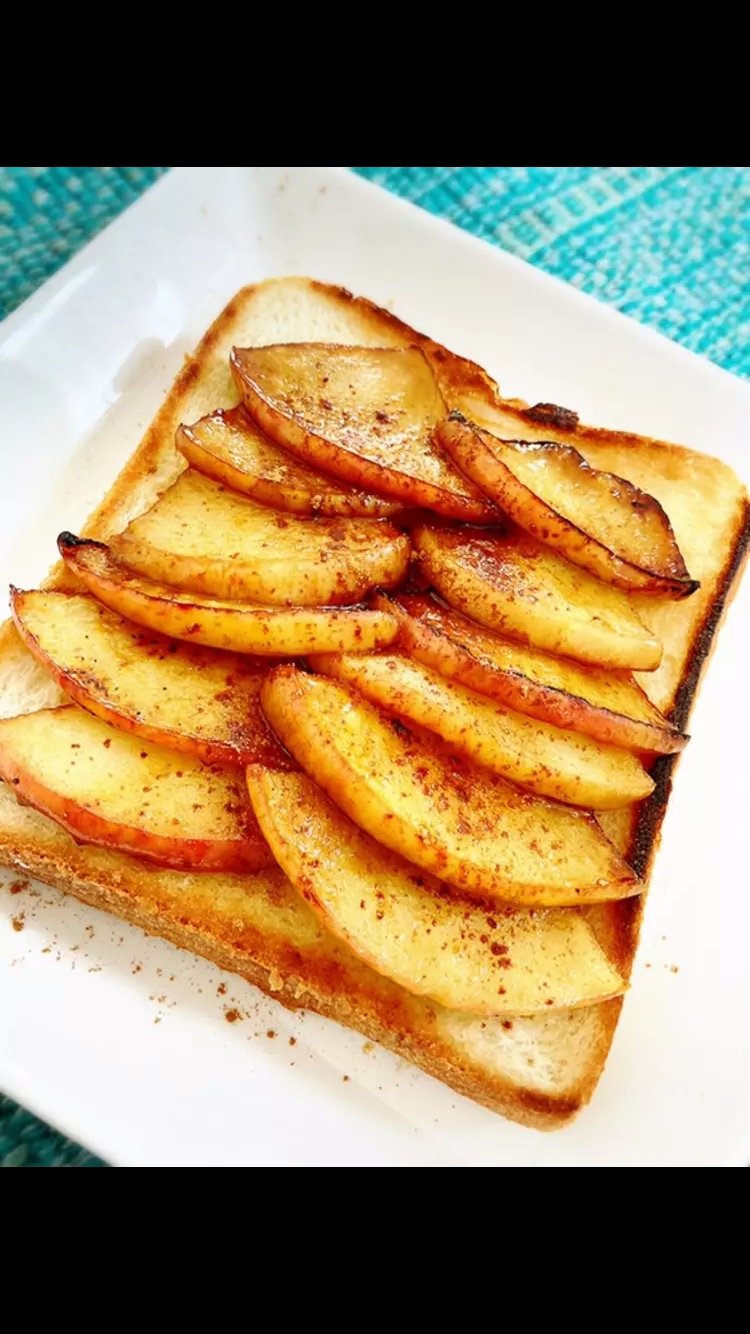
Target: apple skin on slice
x=597, y=521
x=195, y=700
x=230, y=448
x=510, y=583
x=541, y=758
x=606, y=705
x=201, y=538
x=412, y=929
x=365, y=415
x=110, y=789
x=466, y=826
x=275, y=632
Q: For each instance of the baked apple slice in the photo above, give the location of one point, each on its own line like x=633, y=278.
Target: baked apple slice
x=364, y=415
x=190, y=699
x=230, y=448
x=609, y=706
x=205, y=539
x=409, y=927
x=537, y=756
x=275, y=632
x=508, y=582
x=451, y=818
x=598, y=521
x=113, y=790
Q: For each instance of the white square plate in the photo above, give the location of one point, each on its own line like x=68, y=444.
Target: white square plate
x=123, y=1042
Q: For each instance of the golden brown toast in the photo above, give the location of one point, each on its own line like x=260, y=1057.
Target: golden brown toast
x=537, y=1071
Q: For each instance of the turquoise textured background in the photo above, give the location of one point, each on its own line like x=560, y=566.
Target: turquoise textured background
x=669, y=246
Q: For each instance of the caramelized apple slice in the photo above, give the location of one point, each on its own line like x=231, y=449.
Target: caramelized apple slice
x=115, y=791
x=512, y=584
x=595, y=520
x=230, y=448
x=560, y=764
x=240, y=627
x=453, y=819
x=190, y=699
x=609, y=706
x=365, y=415
x=410, y=928
x=205, y=539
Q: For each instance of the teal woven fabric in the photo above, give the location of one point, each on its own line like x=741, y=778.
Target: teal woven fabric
x=48, y=213
x=668, y=245
x=26, y=1142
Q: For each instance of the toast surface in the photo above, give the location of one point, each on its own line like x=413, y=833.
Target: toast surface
x=539, y=1072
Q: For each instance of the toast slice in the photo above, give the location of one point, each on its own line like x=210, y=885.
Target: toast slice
x=537, y=1071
